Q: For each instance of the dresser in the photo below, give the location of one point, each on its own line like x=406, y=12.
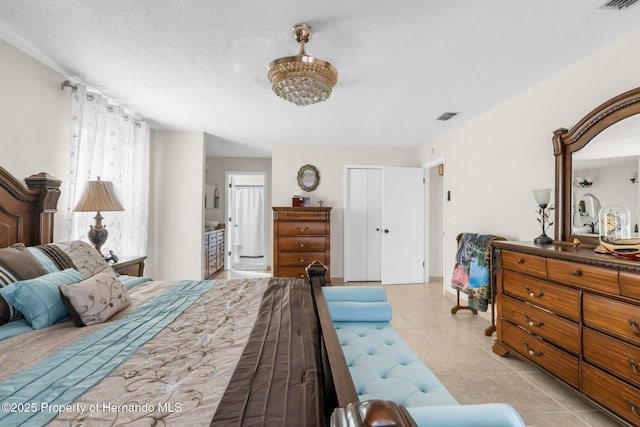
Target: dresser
x=575, y=314
x=300, y=237
x=213, y=253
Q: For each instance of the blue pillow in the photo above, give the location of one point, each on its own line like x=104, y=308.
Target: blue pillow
x=355, y=311
x=39, y=299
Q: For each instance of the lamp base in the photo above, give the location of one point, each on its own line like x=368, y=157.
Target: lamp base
x=97, y=236
x=543, y=239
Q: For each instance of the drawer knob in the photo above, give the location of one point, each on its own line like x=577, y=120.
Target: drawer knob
x=576, y=273
x=302, y=245
x=634, y=325
x=302, y=229
x=634, y=366
x=533, y=352
x=533, y=294
x=633, y=408
x=537, y=324
x=520, y=261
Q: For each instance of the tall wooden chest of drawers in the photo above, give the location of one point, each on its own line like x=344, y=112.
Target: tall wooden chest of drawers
x=300, y=237
x=576, y=314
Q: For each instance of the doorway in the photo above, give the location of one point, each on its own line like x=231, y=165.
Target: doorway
x=245, y=248
x=435, y=200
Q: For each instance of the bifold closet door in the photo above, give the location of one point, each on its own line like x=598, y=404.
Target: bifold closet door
x=363, y=220
x=384, y=225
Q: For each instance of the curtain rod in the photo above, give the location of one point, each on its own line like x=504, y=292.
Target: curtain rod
x=67, y=83
x=74, y=88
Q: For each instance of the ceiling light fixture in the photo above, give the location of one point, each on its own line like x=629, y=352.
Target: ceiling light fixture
x=302, y=79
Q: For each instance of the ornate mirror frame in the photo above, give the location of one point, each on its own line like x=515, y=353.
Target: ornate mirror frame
x=568, y=141
x=301, y=176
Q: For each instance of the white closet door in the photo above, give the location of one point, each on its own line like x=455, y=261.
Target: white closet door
x=355, y=268
x=374, y=225
x=403, y=225
x=363, y=225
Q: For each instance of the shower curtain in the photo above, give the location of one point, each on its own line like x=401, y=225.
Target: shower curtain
x=250, y=220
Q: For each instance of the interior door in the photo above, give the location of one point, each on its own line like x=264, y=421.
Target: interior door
x=363, y=223
x=374, y=225
x=403, y=225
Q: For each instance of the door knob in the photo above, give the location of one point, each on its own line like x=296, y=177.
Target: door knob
x=386, y=231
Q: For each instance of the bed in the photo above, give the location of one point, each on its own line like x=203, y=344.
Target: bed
x=83, y=346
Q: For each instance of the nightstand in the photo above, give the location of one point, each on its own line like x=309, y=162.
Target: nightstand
x=130, y=266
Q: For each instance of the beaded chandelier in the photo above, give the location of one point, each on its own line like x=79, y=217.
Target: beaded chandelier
x=302, y=79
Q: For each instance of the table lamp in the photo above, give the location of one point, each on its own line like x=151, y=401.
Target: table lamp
x=544, y=210
x=98, y=196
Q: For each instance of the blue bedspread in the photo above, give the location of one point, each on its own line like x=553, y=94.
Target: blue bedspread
x=76, y=368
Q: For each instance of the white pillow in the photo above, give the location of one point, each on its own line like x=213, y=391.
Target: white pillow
x=96, y=299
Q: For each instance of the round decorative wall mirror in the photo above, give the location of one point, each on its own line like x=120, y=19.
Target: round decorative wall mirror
x=308, y=178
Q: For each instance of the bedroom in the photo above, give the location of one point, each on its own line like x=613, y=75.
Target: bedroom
x=508, y=147
x=518, y=129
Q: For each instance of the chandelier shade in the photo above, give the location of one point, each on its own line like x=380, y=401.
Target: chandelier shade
x=302, y=79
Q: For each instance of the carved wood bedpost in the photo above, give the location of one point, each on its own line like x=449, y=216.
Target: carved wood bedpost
x=317, y=273
x=48, y=189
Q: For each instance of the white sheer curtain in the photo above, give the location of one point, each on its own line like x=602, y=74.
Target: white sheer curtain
x=108, y=142
x=250, y=212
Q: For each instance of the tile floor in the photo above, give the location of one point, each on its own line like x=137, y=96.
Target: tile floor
x=455, y=348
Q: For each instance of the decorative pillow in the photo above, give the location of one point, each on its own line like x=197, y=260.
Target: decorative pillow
x=39, y=299
x=5, y=311
x=95, y=299
x=18, y=263
x=21, y=263
x=8, y=313
x=85, y=258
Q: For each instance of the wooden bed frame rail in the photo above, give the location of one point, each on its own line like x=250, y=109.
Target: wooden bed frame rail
x=342, y=405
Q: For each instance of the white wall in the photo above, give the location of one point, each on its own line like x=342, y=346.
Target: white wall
x=330, y=162
x=494, y=161
x=35, y=117
x=177, y=206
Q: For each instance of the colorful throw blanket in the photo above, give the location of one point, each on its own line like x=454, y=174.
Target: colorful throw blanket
x=471, y=273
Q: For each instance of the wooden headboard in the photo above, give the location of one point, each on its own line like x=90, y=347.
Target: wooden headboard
x=26, y=212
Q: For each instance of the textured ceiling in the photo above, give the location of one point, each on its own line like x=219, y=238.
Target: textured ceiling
x=201, y=65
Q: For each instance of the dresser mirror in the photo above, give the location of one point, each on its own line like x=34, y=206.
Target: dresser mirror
x=597, y=163
x=308, y=178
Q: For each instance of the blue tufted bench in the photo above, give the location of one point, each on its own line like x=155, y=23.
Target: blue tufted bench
x=383, y=367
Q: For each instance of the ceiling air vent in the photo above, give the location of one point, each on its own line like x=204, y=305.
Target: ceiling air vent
x=617, y=4
x=446, y=116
